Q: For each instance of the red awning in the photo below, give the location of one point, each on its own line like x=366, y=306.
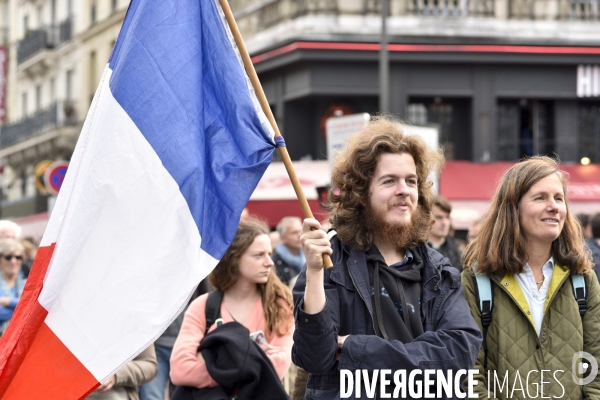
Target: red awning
x=470, y=186
x=464, y=180
x=274, y=197
x=274, y=210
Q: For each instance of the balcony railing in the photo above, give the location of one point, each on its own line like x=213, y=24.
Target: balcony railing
x=577, y=10
x=316, y=6
x=57, y=115
x=581, y=10
x=451, y=8
x=261, y=14
x=44, y=38
x=33, y=42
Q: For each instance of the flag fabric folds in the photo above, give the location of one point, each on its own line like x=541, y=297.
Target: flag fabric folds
x=172, y=147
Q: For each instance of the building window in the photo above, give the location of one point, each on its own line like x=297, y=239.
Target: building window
x=40, y=16
x=417, y=114
x=38, y=98
x=92, y=81
x=25, y=25
x=524, y=128
x=53, y=12
x=589, y=131
x=5, y=22
x=452, y=116
x=52, y=90
x=69, y=85
x=24, y=105
x=93, y=15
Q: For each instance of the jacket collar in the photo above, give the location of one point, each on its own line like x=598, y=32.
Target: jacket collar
x=509, y=283
x=436, y=271
x=559, y=276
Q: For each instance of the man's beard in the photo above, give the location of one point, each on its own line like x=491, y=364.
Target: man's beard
x=404, y=235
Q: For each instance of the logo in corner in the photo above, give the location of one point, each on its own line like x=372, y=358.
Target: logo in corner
x=584, y=368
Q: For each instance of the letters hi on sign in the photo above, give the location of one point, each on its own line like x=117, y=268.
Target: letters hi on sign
x=588, y=81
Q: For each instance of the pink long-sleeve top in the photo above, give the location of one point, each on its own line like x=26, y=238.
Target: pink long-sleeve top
x=187, y=370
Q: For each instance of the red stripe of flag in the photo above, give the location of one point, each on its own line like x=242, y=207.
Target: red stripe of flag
x=50, y=371
x=26, y=321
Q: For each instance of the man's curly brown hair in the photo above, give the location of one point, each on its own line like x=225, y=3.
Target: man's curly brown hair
x=354, y=169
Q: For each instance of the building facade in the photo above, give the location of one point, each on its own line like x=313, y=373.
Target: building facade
x=501, y=79
x=57, y=50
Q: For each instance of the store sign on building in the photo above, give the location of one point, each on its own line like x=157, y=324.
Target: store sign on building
x=588, y=81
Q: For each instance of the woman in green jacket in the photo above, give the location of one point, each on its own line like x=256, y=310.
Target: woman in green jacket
x=529, y=246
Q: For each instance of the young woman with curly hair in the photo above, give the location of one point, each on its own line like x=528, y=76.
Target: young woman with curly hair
x=253, y=296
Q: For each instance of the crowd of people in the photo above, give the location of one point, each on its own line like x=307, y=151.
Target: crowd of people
x=16, y=259
x=518, y=296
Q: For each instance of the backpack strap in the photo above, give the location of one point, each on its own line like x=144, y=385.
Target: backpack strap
x=213, y=309
x=485, y=303
x=580, y=293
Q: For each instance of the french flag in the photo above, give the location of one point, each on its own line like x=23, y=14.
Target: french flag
x=171, y=150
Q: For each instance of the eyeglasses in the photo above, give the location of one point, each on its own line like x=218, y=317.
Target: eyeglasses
x=9, y=257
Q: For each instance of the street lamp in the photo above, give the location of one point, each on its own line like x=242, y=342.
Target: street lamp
x=384, y=67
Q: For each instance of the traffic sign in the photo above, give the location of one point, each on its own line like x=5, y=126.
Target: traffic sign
x=55, y=175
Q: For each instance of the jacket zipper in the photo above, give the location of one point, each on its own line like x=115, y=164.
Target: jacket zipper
x=426, y=258
x=544, y=318
x=363, y=299
x=537, y=338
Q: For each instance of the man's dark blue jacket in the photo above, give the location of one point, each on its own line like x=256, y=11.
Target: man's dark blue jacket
x=451, y=339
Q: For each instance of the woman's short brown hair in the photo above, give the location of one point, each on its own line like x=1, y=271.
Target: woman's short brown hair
x=354, y=169
x=500, y=246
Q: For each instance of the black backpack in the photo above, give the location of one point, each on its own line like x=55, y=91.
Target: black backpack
x=213, y=309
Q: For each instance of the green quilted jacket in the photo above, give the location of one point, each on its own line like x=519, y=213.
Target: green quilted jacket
x=517, y=355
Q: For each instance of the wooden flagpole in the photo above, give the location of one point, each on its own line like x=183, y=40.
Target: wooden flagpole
x=260, y=94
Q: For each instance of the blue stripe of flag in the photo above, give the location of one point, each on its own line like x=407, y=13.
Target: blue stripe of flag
x=176, y=75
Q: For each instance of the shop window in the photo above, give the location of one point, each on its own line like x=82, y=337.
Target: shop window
x=524, y=128
x=589, y=131
x=417, y=114
x=452, y=116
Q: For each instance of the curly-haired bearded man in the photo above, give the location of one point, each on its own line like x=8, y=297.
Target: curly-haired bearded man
x=390, y=301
